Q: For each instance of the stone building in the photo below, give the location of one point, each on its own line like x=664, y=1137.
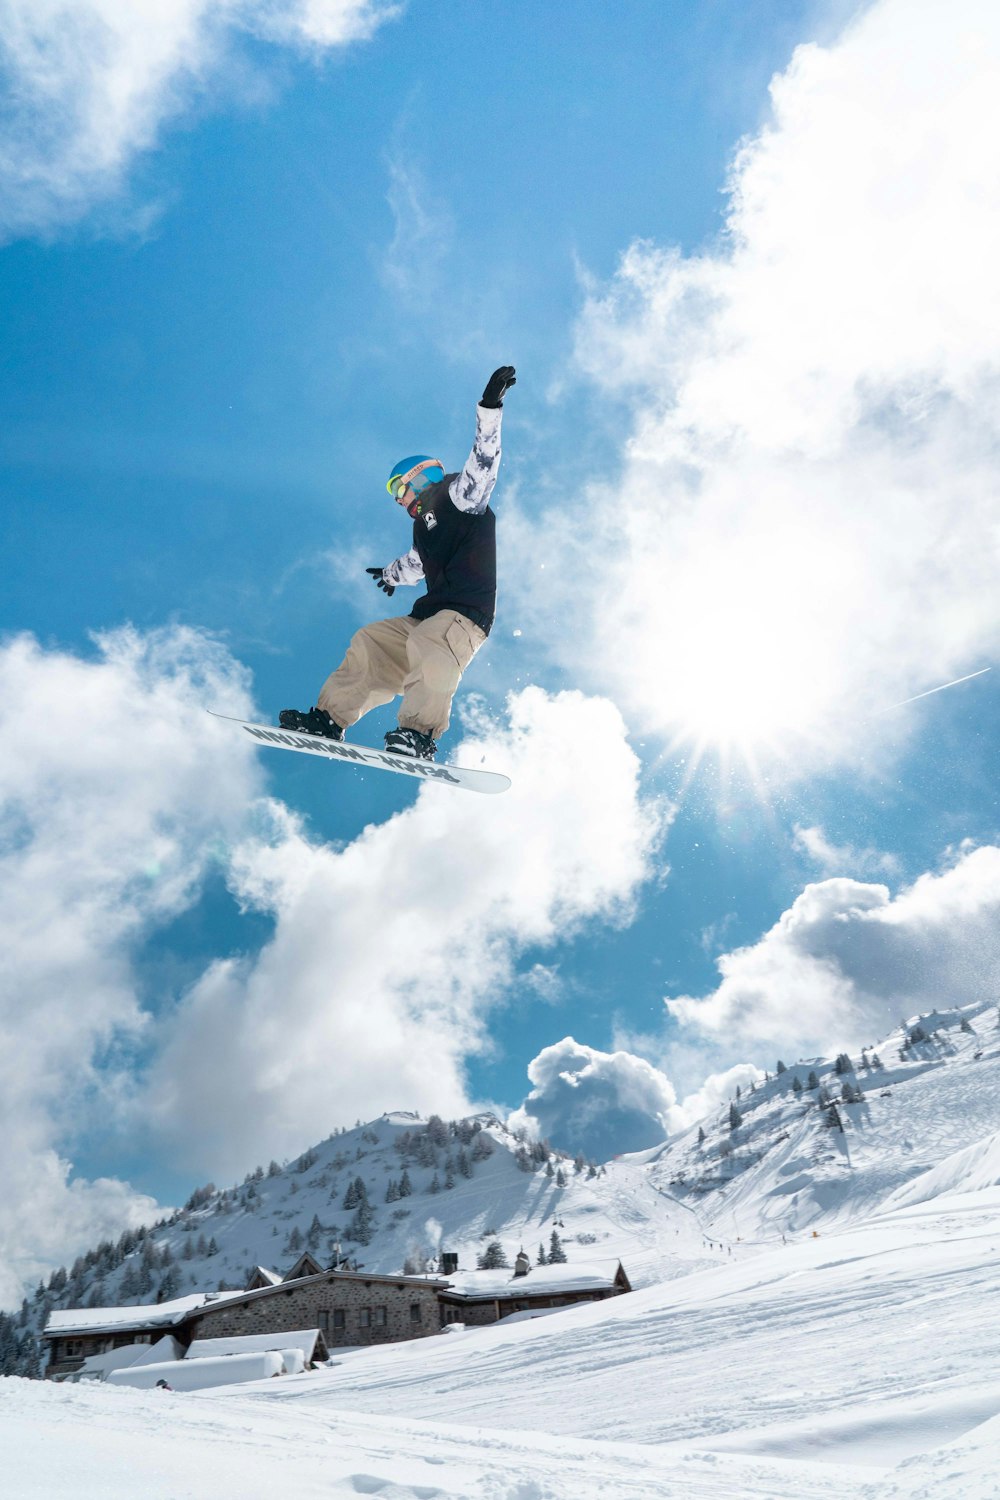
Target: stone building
x=351, y=1309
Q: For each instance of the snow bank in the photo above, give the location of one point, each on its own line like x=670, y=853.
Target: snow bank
x=302, y=1340
x=130, y=1356
x=202, y=1374
x=970, y=1170
x=154, y=1354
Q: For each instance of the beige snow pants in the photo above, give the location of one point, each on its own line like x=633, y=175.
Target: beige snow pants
x=422, y=659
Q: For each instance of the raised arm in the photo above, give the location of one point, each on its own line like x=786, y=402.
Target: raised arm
x=471, y=490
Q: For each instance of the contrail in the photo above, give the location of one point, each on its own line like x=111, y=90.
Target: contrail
x=967, y=678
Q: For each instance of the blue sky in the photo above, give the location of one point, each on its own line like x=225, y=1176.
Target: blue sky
x=745, y=498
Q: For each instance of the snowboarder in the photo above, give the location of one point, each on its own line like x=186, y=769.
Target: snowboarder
x=422, y=655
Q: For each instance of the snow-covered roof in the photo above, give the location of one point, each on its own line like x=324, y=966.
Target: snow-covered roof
x=271, y=1277
x=541, y=1281
x=256, y=1343
x=124, y=1319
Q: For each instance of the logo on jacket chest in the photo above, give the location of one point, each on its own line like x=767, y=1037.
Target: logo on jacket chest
x=430, y=520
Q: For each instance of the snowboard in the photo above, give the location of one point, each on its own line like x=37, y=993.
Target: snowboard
x=463, y=777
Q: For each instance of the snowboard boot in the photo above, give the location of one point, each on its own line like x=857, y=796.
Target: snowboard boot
x=411, y=742
x=316, y=721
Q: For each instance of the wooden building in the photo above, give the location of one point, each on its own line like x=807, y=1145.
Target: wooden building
x=482, y=1297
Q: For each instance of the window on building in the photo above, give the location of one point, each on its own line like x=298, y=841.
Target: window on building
x=416, y=1313
x=366, y=1317
x=72, y=1348
x=339, y=1319
x=378, y=1317
x=332, y=1322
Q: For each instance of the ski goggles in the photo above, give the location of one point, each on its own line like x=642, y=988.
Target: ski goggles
x=418, y=477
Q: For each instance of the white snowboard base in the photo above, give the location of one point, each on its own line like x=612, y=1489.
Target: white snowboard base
x=364, y=755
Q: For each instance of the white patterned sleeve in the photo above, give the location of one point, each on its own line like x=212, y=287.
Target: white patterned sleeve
x=471, y=490
x=406, y=569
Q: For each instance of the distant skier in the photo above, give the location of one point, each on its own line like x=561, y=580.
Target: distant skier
x=422, y=655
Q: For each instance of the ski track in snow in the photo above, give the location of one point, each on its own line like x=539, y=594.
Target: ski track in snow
x=864, y=1363
x=859, y=1359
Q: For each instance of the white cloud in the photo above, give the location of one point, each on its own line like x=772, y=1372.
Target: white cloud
x=90, y=84
x=838, y=859
x=806, y=526
x=716, y=1090
x=388, y=953
x=423, y=236
x=848, y=959
x=118, y=791
x=608, y=1103
x=600, y=1103
x=114, y=786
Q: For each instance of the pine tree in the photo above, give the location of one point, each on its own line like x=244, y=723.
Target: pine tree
x=435, y=1186
x=781, y=1067
x=812, y=1082
x=492, y=1258
x=362, y=1223
x=169, y=1285
x=549, y=1172
x=557, y=1255
x=405, y=1185
x=543, y=1259
x=560, y=1178
x=129, y=1285
x=735, y=1118
x=796, y=1085
x=483, y=1146
x=701, y=1135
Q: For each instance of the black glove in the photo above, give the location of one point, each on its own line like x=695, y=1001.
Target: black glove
x=498, y=385
x=378, y=574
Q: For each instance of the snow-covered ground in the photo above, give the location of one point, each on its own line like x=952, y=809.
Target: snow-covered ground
x=816, y=1312
x=863, y=1362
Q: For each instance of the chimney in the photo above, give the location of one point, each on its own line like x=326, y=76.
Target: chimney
x=449, y=1262
x=522, y=1264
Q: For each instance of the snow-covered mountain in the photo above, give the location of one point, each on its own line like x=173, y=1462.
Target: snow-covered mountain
x=822, y=1144
x=826, y=1143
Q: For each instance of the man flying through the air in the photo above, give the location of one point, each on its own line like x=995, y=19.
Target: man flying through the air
x=422, y=655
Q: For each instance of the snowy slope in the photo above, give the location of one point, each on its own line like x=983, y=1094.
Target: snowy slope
x=785, y=1171
x=816, y=1309
x=861, y=1363
x=269, y=1219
